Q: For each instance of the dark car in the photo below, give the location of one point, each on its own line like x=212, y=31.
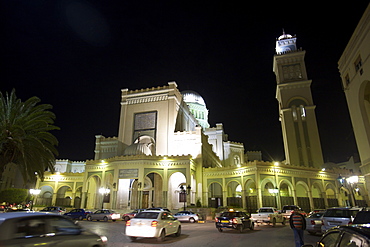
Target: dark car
x=362, y=217
x=235, y=220
x=41, y=229
x=78, y=213
x=349, y=235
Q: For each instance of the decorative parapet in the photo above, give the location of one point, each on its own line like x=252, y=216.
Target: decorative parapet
x=140, y=157
x=67, y=176
x=269, y=168
x=147, y=95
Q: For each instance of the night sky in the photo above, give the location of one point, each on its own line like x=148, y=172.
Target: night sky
x=78, y=55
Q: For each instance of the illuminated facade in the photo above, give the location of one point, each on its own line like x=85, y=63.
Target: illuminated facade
x=164, y=142
x=354, y=68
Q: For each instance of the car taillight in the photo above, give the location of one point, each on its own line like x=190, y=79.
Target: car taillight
x=235, y=221
x=128, y=223
x=313, y=222
x=154, y=223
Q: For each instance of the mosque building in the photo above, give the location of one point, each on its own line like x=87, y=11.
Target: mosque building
x=167, y=155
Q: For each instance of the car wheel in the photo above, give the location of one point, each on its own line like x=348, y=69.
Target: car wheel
x=219, y=229
x=178, y=233
x=114, y=220
x=133, y=238
x=240, y=228
x=126, y=218
x=89, y=218
x=162, y=236
x=251, y=227
x=273, y=222
x=284, y=221
x=192, y=220
x=105, y=219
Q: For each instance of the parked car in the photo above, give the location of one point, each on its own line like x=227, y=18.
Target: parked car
x=348, y=235
x=234, y=220
x=338, y=216
x=287, y=210
x=103, y=214
x=153, y=224
x=314, y=222
x=78, y=213
x=158, y=208
x=34, y=228
x=269, y=215
x=57, y=210
x=362, y=217
x=131, y=215
x=187, y=216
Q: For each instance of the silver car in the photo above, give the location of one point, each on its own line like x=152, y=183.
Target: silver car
x=338, y=216
x=33, y=228
x=187, y=216
x=314, y=222
x=103, y=214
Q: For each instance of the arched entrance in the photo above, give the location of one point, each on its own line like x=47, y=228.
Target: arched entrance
x=92, y=194
x=174, y=182
x=250, y=196
x=64, y=196
x=215, y=195
x=303, y=199
x=45, y=196
x=234, y=194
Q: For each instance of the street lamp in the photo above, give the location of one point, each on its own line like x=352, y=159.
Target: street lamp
x=34, y=193
x=183, y=194
x=349, y=183
x=104, y=192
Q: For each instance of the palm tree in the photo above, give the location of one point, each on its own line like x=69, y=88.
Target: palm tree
x=25, y=138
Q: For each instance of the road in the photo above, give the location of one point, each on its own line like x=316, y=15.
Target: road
x=198, y=234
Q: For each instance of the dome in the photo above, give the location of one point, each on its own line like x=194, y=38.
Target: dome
x=285, y=36
x=193, y=97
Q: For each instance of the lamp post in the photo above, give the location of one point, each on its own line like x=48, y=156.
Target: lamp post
x=349, y=183
x=104, y=192
x=183, y=193
x=34, y=193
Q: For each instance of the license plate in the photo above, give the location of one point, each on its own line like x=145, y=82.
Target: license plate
x=224, y=221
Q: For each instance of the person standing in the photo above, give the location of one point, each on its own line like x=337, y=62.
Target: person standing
x=298, y=224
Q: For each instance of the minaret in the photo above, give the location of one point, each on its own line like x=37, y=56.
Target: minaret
x=296, y=108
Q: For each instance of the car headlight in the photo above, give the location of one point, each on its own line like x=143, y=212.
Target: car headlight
x=104, y=239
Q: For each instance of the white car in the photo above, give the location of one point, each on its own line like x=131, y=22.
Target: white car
x=153, y=224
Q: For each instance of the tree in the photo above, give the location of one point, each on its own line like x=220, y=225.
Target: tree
x=13, y=195
x=25, y=138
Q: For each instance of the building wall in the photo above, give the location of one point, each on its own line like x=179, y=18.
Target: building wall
x=354, y=68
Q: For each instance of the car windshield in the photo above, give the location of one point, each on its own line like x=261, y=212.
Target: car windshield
x=340, y=213
x=147, y=215
x=315, y=215
x=290, y=208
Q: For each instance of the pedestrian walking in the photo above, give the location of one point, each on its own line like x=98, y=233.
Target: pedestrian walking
x=298, y=224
